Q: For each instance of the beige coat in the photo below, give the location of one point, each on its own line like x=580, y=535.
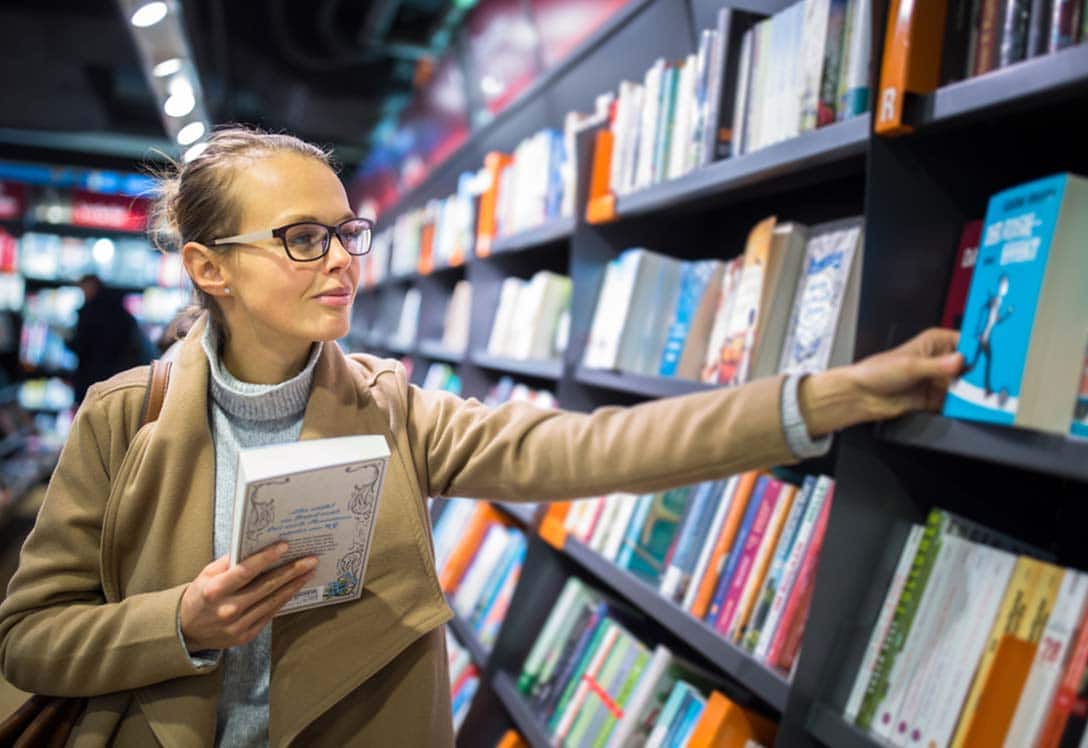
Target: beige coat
x=127, y=523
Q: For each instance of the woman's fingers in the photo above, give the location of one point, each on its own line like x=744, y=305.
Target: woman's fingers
x=258, y=615
x=267, y=584
x=237, y=577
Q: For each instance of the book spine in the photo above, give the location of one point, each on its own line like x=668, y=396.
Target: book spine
x=741, y=103
x=905, y=609
x=719, y=554
x=813, y=58
x=730, y=566
x=1063, y=24
x=553, y=707
x=721, y=505
x=567, y=712
x=559, y=616
x=714, y=91
x=1050, y=733
x=833, y=70
x=739, y=626
x=747, y=556
x=883, y=622
x=693, y=530
x=989, y=36
x=1014, y=34
x=854, y=69
x=1038, y=28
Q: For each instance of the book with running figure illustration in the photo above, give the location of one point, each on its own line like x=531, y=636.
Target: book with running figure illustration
x=319, y=495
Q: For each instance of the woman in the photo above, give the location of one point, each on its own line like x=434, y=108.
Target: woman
x=117, y=596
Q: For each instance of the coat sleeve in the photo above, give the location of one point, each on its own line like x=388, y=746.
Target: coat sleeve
x=58, y=634
x=523, y=453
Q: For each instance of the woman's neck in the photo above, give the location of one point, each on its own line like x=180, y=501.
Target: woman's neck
x=270, y=361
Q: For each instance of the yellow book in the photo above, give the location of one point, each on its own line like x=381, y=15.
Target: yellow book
x=1030, y=593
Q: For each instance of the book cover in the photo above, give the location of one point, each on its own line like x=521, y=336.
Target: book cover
x=912, y=54
x=690, y=539
x=1014, y=32
x=955, y=300
x=729, y=567
x=319, y=495
x=1072, y=692
x=738, y=505
x=556, y=630
x=819, y=300
x=721, y=505
x=646, y=558
x=740, y=332
x=695, y=280
x=1023, y=335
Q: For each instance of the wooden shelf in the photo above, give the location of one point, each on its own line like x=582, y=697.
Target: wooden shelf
x=1043, y=453
x=829, y=728
x=640, y=384
x=534, y=733
x=464, y=634
x=769, y=685
x=552, y=370
x=553, y=231
x=435, y=350
x=827, y=145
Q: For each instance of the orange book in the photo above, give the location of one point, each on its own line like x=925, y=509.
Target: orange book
x=449, y=576
x=486, y=221
x=762, y=561
x=426, y=248
x=912, y=59
x=996, y=706
x=725, y=724
x=552, y=525
x=601, y=203
x=511, y=739
x=725, y=542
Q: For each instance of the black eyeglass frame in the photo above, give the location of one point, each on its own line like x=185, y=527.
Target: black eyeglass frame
x=280, y=232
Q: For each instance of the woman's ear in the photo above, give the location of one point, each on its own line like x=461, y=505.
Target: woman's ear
x=206, y=269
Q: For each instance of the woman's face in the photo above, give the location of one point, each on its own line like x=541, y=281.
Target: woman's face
x=275, y=298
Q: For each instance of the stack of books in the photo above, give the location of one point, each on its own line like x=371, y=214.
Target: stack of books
x=593, y=682
x=975, y=644
x=788, y=304
x=738, y=554
x=530, y=184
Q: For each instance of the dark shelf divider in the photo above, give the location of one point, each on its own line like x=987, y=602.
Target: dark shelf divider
x=434, y=349
x=547, y=233
x=540, y=369
x=819, y=147
x=523, y=513
x=639, y=384
x=829, y=727
x=534, y=733
x=464, y=634
x=1044, y=453
x=770, y=686
x=1047, y=76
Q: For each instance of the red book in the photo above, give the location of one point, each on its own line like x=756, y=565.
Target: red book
x=1067, y=696
x=748, y=555
x=956, y=300
x=787, y=640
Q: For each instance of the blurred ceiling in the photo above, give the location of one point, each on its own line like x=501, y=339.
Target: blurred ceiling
x=325, y=70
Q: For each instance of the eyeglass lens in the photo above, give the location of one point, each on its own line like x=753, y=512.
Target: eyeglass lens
x=308, y=241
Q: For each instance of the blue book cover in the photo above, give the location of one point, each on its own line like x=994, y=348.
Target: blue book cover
x=630, y=538
x=691, y=538
x=722, y=590
x=671, y=712
x=666, y=509
x=693, y=282
x=1001, y=304
x=692, y=712
x=512, y=558
x=554, y=200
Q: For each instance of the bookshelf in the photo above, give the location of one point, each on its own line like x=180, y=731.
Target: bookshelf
x=972, y=138
x=434, y=350
x=464, y=634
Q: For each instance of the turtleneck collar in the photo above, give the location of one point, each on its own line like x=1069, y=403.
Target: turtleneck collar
x=256, y=402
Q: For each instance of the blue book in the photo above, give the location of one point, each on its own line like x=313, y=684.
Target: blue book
x=722, y=590
x=512, y=557
x=694, y=279
x=669, y=84
x=1023, y=335
x=690, y=717
x=671, y=712
x=647, y=557
x=555, y=175
x=572, y=666
x=690, y=539
x=634, y=527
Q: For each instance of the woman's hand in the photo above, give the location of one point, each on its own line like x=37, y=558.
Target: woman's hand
x=226, y=607
x=913, y=376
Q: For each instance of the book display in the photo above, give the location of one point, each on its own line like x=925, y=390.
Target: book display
x=733, y=215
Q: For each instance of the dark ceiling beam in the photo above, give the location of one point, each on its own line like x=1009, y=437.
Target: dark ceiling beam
x=131, y=147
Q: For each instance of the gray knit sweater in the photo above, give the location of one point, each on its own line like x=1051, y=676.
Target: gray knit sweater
x=246, y=415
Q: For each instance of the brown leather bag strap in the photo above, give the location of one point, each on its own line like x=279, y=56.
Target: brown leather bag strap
x=158, y=379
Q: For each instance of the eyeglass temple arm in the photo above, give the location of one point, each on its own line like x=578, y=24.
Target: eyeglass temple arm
x=243, y=238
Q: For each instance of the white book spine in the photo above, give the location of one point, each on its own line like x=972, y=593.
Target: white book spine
x=647, y=143
x=741, y=101
x=468, y=592
x=812, y=58
x=607, y=519
x=1046, y=669
x=640, y=698
x=883, y=622
x=627, y=503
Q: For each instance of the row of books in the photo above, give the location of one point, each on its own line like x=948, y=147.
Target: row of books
x=464, y=679
x=441, y=376
x=50, y=394
x=1024, y=327
x=79, y=207
x=532, y=320
x=752, y=82
x=129, y=262
x=479, y=556
x=439, y=234
x=457, y=320
x=41, y=346
x=788, y=303
x=739, y=554
x=594, y=683
x=507, y=390
x=975, y=645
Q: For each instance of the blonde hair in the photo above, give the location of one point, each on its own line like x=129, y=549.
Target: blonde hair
x=194, y=201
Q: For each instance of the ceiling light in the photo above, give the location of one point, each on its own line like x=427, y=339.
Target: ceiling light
x=195, y=151
x=149, y=14
x=167, y=67
x=102, y=251
x=181, y=100
x=191, y=133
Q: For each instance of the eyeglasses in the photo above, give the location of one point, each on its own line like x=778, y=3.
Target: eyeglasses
x=307, y=241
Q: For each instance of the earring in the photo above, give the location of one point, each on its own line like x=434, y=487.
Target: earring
x=226, y=290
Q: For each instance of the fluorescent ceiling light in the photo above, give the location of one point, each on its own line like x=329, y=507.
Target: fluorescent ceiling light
x=167, y=67
x=191, y=133
x=181, y=100
x=195, y=151
x=149, y=14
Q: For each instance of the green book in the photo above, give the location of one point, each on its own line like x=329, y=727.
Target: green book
x=937, y=524
x=647, y=560
x=622, y=693
x=591, y=705
x=576, y=677
x=555, y=630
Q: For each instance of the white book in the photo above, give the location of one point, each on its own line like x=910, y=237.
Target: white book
x=449, y=527
x=588, y=519
x=720, y=329
x=708, y=43
x=319, y=495
x=648, y=126
x=626, y=503
x=681, y=119
x=629, y=154
x=642, y=698
x=1046, y=668
x=701, y=563
x=931, y=615
x=883, y=622
x=741, y=99
x=405, y=334
x=820, y=493
x=574, y=519
x=509, y=293
x=620, y=132
x=817, y=13
x=986, y=586
x=554, y=301
x=487, y=555
x=604, y=523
